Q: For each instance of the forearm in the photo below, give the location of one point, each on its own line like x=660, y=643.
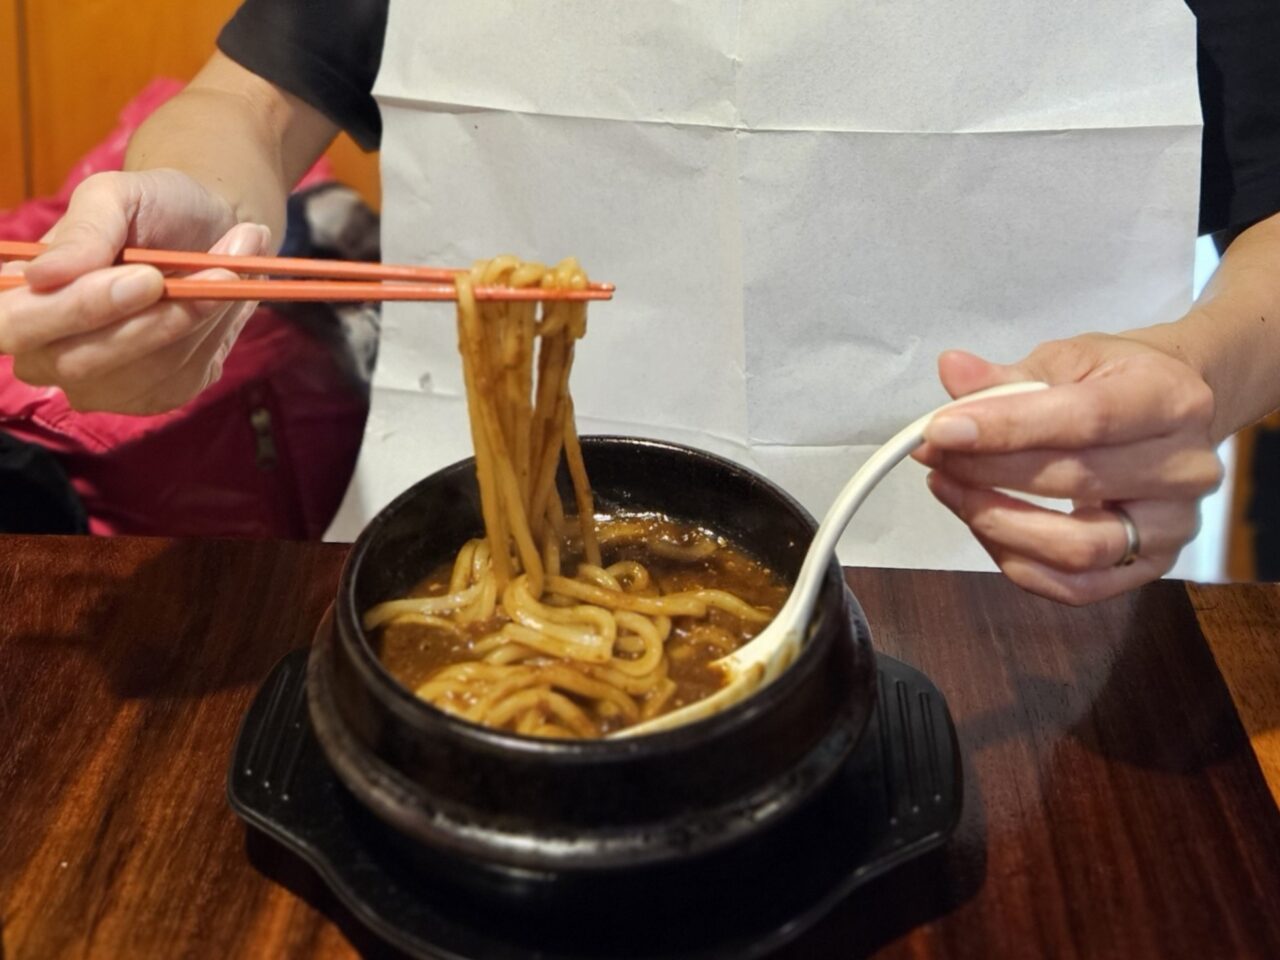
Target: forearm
x=1231, y=336
x=240, y=137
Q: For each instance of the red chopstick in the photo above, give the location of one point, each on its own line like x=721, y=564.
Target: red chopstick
x=339, y=290
x=300, y=267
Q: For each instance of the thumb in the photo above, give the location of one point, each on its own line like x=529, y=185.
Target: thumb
x=962, y=373
x=89, y=236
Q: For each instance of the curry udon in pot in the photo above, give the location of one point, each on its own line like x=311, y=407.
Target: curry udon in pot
x=499, y=619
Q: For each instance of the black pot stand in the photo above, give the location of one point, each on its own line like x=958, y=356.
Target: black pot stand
x=896, y=798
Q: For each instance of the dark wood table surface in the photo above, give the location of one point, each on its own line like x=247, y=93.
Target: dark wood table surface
x=1114, y=806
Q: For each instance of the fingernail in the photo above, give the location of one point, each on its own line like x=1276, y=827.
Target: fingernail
x=136, y=287
x=249, y=243
x=244, y=244
x=952, y=431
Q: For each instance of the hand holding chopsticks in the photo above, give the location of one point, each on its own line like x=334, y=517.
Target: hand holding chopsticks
x=141, y=331
x=328, y=280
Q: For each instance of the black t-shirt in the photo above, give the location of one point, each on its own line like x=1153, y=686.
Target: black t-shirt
x=327, y=53
x=1239, y=67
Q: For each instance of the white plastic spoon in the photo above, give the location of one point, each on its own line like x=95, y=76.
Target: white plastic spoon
x=771, y=651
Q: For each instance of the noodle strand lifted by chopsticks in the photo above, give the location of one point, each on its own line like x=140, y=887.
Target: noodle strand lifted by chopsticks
x=550, y=654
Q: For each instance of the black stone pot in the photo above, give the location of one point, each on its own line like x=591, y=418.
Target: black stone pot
x=505, y=813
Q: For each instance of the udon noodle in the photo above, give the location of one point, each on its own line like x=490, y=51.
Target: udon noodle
x=550, y=625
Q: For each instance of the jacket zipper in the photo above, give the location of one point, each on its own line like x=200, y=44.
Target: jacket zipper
x=265, y=441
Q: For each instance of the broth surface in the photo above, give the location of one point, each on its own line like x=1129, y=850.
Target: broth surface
x=679, y=557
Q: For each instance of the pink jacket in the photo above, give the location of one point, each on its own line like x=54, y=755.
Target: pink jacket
x=267, y=451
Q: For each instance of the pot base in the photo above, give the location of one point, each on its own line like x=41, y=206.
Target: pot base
x=897, y=797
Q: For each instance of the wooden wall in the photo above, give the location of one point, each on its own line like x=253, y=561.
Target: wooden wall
x=13, y=168
x=70, y=65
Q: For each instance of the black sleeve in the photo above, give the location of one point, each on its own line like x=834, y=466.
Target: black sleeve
x=326, y=52
x=1239, y=68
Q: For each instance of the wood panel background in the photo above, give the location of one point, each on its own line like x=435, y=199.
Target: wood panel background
x=13, y=167
x=85, y=59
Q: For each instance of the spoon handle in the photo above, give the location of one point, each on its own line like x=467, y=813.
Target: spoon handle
x=805, y=590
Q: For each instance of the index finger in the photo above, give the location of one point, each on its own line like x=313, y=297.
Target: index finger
x=1116, y=408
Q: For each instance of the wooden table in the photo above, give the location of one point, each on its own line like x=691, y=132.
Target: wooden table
x=1114, y=804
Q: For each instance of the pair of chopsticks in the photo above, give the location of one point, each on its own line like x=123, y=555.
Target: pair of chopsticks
x=331, y=280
